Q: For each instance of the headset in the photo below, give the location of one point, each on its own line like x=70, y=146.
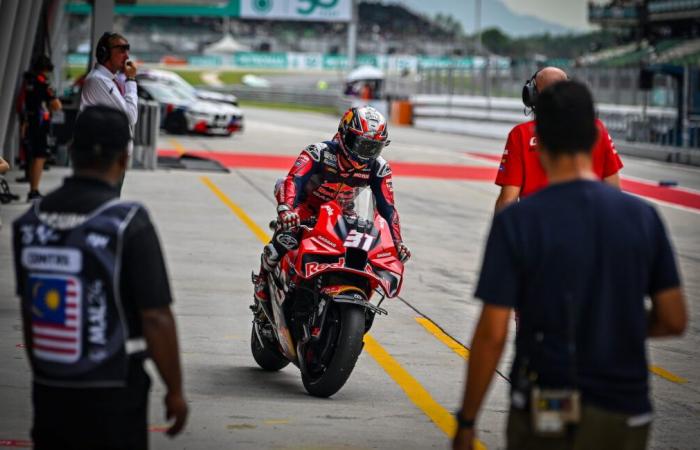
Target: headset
x=530, y=92
x=102, y=50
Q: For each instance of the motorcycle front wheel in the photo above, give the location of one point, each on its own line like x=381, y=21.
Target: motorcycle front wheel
x=346, y=347
x=267, y=357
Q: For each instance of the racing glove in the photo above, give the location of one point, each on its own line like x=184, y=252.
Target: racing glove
x=403, y=252
x=288, y=219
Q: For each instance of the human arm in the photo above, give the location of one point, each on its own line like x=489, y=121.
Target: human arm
x=510, y=171
x=382, y=186
x=161, y=337
x=668, y=315
x=146, y=288
x=485, y=353
x=499, y=286
x=131, y=100
x=4, y=166
x=612, y=163
x=292, y=187
x=100, y=90
x=509, y=194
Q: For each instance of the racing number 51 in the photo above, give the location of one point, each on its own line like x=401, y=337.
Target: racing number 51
x=358, y=240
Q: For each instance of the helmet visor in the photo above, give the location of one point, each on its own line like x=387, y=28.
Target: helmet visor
x=364, y=148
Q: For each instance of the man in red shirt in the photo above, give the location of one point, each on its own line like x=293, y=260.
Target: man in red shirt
x=521, y=173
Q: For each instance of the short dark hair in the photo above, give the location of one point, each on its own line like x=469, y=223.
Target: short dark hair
x=565, y=120
x=100, y=136
x=42, y=63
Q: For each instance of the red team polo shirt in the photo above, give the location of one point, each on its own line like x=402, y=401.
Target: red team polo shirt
x=521, y=166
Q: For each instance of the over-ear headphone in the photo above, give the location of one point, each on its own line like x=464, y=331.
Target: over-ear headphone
x=102, y=49
x=530, y=91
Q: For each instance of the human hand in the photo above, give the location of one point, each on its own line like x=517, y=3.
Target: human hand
x=130, y=69
x=175, y=408
x=464, y=439
x=403, y=252
x=55, y=104
x=289, y=220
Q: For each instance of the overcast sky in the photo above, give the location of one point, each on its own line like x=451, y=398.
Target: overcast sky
x=569, y=13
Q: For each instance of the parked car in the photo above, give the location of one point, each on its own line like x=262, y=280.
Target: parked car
x=183, y=112
x=168, y=77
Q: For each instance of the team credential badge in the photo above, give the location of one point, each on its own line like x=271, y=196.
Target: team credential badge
x=56, y=317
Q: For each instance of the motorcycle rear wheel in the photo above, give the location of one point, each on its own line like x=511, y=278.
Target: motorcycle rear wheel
x=348, y=347
x=267, y=357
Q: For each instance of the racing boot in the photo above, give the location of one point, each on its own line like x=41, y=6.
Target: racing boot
x=260, y=291
x=268, y=262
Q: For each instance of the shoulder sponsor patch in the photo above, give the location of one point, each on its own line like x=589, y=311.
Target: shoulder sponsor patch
x=383, y=168
x=314, y=150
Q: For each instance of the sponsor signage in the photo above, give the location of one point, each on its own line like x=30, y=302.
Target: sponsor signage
x=261, y=60
x=312, y=10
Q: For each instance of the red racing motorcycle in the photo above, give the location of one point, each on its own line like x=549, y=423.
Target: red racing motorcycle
x=322, y=293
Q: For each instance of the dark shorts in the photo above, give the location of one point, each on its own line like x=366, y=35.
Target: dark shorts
x=599, y=429
x=92, y=418
x=37, y=142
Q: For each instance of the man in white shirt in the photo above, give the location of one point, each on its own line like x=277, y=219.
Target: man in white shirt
x=104, y=86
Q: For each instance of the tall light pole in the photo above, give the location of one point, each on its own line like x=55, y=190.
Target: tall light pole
x=352, y=35
x=477, y=24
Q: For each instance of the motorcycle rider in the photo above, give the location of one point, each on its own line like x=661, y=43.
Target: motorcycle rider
x=322, y=171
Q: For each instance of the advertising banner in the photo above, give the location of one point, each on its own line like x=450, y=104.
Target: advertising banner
x=316, y=10
x=261, y=60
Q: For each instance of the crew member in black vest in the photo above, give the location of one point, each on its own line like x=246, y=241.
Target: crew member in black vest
x=95, y=301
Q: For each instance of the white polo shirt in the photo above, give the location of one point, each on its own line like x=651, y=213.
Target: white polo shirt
x=102, y=87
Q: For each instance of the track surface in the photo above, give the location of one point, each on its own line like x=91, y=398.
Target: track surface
x=411, y=373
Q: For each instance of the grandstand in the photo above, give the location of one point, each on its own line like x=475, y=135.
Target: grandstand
x=657, y=31
x=653, y=18
x=383, y=29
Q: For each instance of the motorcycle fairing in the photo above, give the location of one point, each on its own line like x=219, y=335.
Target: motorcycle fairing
x=324, y=249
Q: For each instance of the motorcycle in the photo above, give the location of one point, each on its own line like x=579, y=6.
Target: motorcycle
x=321, y=294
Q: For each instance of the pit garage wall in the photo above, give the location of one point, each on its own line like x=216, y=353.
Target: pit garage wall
x=19, y=34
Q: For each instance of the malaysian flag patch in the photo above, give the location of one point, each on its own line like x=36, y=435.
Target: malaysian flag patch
x=56, y=317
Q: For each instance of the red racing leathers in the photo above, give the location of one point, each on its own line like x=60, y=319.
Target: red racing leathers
x=321, y=171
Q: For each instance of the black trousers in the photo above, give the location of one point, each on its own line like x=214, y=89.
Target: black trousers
x=92, y=418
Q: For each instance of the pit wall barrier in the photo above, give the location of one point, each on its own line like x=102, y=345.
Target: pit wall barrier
x=146, y=136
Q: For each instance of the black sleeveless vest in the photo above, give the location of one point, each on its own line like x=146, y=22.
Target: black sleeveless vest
x=71, y=267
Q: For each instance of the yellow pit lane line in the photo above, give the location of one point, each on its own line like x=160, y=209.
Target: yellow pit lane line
x=462, y=351
x=177, y=146
x=442, y=337
x=442, y=418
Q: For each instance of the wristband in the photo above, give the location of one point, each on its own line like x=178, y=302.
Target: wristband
x=463, y=423
x=131, y=79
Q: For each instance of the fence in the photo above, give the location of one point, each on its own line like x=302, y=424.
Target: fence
x=615, y=86
x=493, y=117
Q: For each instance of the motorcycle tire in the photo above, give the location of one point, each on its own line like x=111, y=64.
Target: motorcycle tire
x=347, y=349
x=268, y=357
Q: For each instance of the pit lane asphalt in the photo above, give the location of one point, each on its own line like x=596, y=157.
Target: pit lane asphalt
x=210, y=253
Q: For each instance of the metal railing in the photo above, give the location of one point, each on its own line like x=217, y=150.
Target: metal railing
x=609, y=85
x=633, y=124
x=304, y=96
